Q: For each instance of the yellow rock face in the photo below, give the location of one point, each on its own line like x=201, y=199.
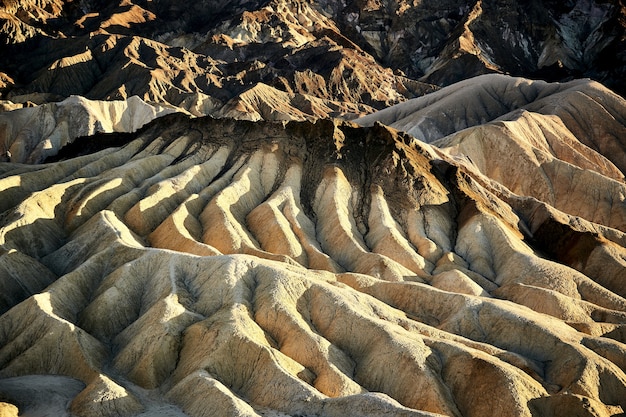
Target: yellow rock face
x=220, y=267
x=8, y=410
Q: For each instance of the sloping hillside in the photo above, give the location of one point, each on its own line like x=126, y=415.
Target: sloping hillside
x=213, y=267
x=191, y=225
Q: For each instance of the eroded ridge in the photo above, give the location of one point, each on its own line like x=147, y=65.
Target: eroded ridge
x=221, y=267
x=560, y=143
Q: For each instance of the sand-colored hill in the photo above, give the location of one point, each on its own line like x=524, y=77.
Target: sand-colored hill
x=460, y=252
x=31, y=134
x=563, y=143
x=222, y=267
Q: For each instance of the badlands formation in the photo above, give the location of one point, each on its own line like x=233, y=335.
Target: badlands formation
x=202, y=212
x=29, y=135
x=315, y=58
x=215, y=267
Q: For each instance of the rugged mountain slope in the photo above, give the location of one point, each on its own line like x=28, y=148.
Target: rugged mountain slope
x=222, y=267
x=201, y=62
x=351, y=55
x=447, y=41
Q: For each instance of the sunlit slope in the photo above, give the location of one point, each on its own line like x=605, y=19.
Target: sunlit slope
x=220, y=267
x=29, y=135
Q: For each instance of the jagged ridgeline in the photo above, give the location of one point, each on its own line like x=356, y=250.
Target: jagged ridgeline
x=221, y=267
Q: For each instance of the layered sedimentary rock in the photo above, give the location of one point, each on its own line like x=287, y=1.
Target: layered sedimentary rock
x=221, y=267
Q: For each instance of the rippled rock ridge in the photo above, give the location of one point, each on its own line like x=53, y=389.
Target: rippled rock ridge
x=223, y=267
x=250, y=208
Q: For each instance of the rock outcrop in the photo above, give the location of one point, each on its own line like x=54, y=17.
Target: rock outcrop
x=214, y=266
x=209, y=62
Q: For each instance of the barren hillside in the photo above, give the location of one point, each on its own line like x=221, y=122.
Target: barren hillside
x=222, y=267
x=191, y=225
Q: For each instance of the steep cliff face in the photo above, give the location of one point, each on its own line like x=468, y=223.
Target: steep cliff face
x=223, y=267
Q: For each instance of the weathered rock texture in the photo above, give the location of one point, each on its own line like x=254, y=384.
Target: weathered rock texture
x=563, y=144
x=274, y=60
x=447, y=41
x=219, y=267
x=296, y=59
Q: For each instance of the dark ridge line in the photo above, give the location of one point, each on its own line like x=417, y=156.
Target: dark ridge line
x=85, y=145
